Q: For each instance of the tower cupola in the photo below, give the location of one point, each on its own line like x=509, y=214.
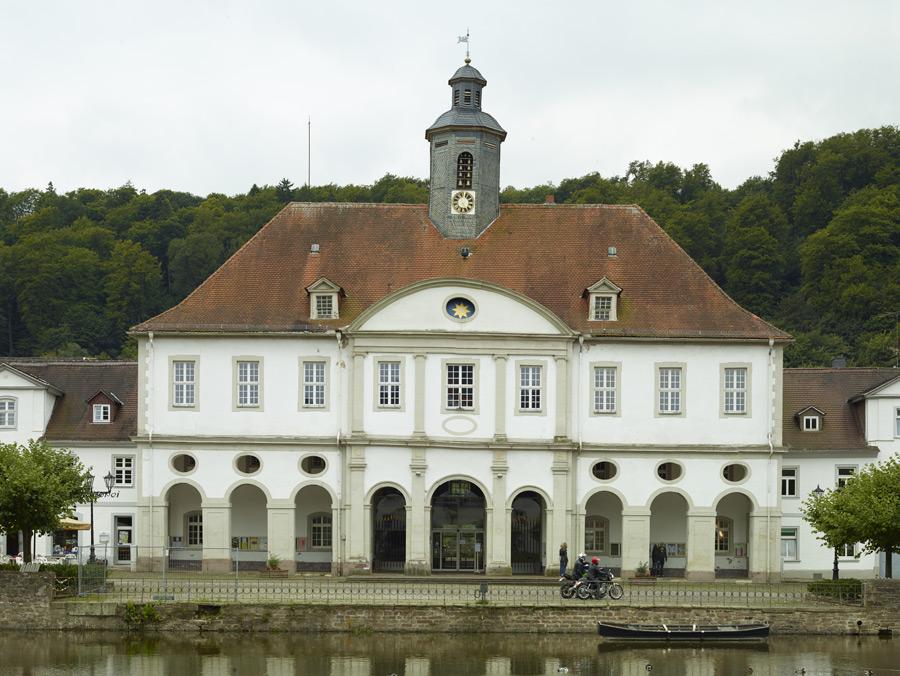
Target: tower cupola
x=465, y=160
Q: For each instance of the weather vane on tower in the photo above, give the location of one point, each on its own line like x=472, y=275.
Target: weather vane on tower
x=465, y=38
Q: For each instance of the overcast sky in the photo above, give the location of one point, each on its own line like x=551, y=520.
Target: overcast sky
x=214, y=96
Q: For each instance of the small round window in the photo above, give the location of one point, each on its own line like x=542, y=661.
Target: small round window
x=313, y=464
x=604, y=470
x=460, y=308
x=247, y=464
x=669, y=471
x=734, y=473
x=183, y=463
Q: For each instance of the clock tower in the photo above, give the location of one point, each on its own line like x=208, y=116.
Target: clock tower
x=465, y=161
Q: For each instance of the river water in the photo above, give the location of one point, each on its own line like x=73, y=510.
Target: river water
x=114, y=654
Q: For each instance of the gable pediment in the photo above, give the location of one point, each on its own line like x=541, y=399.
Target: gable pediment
x=809, y=410
x=604, y=285
x=324, y=285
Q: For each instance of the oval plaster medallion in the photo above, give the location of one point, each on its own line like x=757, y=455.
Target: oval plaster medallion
x=459, y=425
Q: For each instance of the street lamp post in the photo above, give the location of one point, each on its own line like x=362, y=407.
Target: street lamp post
x=108, y=480
x=835, y=573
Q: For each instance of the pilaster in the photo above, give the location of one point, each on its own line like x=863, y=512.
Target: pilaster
x=357, y=557
x=556, y=533
x=562, y=398
x=701, y=540
x=357, y=425
x=419, y=396
x=152, y=526
x=498, y=534
x=764, y=546
x=635, y=538
x=500, y=361
x=281, y=514
x=417, y=549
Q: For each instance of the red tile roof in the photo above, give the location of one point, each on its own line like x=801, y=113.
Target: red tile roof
x=550, y=253
x=80, y=381
x=829, y=390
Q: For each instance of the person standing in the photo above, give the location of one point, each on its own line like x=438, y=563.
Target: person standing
x=563, y=558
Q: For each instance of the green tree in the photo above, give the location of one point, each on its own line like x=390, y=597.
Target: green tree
x=865, y=510
x=39, y=484
x=133, y=288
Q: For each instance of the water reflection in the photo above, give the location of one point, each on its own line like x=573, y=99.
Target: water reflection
x=102, y=654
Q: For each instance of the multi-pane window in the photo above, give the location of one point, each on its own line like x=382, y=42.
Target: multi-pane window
x=248, y=383
x=847, y=551
x=530, y=388
x=723, y=534
x=789, y=482
x=123, y=470
x=810, y=423
x=843, y=475
x=735, y=390
x=461, y=386
x=670, y=390
x=101, y=413
x=595, y=532
x=897, y=422
x=789, y=544
x=389, y=384
x=184, y=383
x=195, y=529
x=602, y=307
x=7, y=412
x=605, y=389
x=324, y=305
x=464, y=165
x=314, y=384
x=320, y=531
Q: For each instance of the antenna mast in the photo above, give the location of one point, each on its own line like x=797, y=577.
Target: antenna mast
x=308, y=152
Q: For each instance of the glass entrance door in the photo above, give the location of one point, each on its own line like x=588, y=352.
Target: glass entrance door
x=458, y=550
x=123, y=527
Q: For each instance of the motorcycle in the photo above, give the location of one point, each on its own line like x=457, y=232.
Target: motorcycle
x=567, y=586
x=600, y=587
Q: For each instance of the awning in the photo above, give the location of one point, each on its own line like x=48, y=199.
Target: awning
x=72, y=524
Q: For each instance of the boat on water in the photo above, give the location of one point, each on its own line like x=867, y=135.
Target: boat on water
x=683, y=632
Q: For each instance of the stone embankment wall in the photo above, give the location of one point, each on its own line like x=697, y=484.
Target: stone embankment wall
x=25, y=603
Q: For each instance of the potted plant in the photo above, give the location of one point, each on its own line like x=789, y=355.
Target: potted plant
x=642, y=572
x=273, y=566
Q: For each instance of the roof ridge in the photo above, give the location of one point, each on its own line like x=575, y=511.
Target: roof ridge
x=420, y=205
x=855, y=369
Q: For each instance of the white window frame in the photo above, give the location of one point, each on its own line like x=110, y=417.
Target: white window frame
x=314, y=385
x=730, y=393
x=897, y=422
x=321, y=528
x=9, y=413
x=606, y=391
x=604, y=309
x=101, y=413
x=795, y=479
x=123, y=466
x=247, y=393
x=670, y=368
x=841, y=479
x=854, y=551
x=320, y=312
x=811, y=423
x=603, y=289
x=445, y=394
x=537, y=390
x=594, y=524
x=193, y=528
x=724, y=524
x=389, y=383
x=790, y=538
x=192, y=386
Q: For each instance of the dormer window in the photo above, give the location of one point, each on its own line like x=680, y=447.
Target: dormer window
x=323, y=299
x=102, y=413
x=811, y=423
x=603, y=301
x=810, y=419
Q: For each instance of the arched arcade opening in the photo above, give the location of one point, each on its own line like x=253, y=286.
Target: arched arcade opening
x=458, y=521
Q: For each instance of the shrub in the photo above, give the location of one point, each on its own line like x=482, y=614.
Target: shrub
x=847, y=589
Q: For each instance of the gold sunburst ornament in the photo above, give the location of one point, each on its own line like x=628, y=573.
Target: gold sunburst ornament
x=460, y=308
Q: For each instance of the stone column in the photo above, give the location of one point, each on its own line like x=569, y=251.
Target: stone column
x=417, y=552
x=357, y=418
x=419, y=397
x=280, y=519
x=216, y=535
x=562, y=398
x=498, y=562
x=556, y=531
x=357, y=557
x=701, y=541
x=152, y=530
x=764, y=545
x=635, y=538
x=500, y=361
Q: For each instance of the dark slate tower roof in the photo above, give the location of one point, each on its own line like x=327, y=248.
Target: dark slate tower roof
x=464, y=114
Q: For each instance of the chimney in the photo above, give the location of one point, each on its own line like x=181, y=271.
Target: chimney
x=550, y=199
x=839, y=362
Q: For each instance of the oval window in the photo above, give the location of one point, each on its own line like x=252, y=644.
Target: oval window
x=183, y=463
x=734, y=473
x=604, y=470
x=669, y=471
x=247, y=464
x=313, y=464
x=460, y=308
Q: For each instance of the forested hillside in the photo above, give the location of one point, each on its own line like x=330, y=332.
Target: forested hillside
x=814, y=247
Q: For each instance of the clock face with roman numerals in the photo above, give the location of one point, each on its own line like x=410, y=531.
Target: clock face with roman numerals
x=462, y=202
